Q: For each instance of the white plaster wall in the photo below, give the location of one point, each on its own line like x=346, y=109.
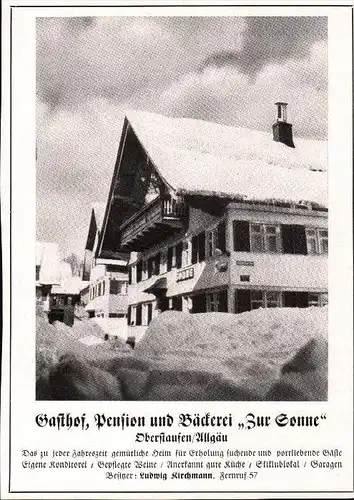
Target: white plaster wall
x=293, y=272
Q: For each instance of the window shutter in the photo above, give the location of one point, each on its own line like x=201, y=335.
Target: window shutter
x=169, y=258
x=113, y=287
x=129, y=315
x=150, y=267
x=287, y=238
x=241, y=230
x=201, y=246
x=223, y=301
x=294, y=239
x=138, y=314
x=139, y=270
x=195, y=249
x=179, y=249
x=157, y=263
x=300, y=246
x=242, y=301
x=149, y=313
x=221, y=243
x=130, y=275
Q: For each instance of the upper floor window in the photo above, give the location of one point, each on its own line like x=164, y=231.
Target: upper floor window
x=198, y=248
x=216, y=238
x=118, y=287
x=264, y=238
x=317, y=241
x=186, y=253
x=317, y=299
x=273, y=238
x=171, y=258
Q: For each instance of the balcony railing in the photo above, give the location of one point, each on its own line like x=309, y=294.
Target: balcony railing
x=154, y=222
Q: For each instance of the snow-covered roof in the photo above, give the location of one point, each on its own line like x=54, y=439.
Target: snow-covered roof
x=209, y=158
x=68, y=286
x=48, y=258
x=99, y=209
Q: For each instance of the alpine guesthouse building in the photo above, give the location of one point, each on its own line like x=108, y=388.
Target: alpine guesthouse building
x=217, y=218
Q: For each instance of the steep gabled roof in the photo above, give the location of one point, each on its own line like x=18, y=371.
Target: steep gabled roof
x=98, y=210
x=96, y=220
x=195, y=156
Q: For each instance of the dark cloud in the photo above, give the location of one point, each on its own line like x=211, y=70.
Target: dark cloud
x=271, y=39
x=79, y=23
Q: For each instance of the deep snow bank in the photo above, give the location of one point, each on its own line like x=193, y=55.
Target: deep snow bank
x=268, y=354
x=264, y=354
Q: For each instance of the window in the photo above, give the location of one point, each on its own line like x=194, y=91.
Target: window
x=103, y=287
x=311, y=240
x=116, y=287
x=264, y=238
x=221, y=237
x=317, y=241
x=185, y=254
x=272, y=299
x=314, y=299
x=212, y=302
x=265, y=298
x=217, y=301
x=198, y=248
x=216, y=239
x=163, y=265
x=323, y=240
x=99, y=289
x=324, y=299
x=257, y=299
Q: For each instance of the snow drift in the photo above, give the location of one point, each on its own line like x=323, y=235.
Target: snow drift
x=268, y=354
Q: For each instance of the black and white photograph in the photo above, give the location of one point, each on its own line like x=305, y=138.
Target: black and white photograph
x=177, y=250
x=182, y=208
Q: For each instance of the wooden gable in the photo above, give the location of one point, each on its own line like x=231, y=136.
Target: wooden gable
x=135, y=183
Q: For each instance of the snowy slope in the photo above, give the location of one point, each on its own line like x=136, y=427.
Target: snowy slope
x=194, y=155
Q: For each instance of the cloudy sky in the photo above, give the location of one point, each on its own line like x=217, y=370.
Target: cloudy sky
x=229, y=70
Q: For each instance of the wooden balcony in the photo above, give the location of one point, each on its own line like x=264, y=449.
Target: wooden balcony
x=153, y=223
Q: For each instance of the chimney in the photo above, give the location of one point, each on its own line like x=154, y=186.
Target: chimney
x=282, y=130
